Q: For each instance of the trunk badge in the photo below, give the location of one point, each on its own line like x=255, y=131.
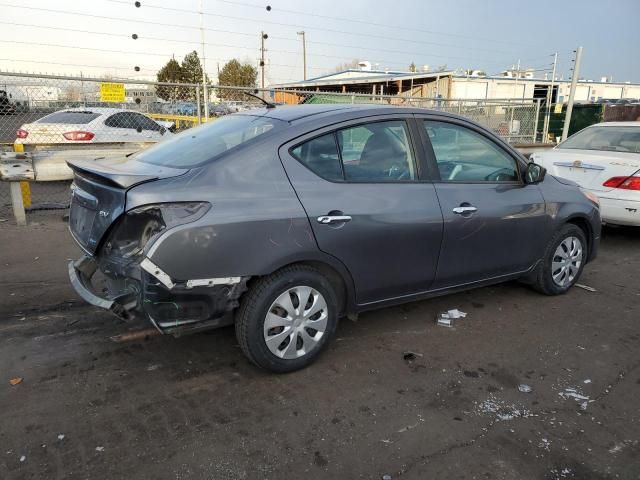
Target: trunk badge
x=104, y=213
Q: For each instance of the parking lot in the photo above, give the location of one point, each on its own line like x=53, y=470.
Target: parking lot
x=395, y=395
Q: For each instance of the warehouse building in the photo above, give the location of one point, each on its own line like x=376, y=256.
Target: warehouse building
x=472, y=85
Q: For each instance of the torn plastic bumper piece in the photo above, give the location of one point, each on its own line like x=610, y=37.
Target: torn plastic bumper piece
x=80, y=273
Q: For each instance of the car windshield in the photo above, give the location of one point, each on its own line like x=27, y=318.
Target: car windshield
x=201, y=144
x=69, y=117
x=615, y=139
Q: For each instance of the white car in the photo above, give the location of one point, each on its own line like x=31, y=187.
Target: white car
x=603, y=159
x=93, y=125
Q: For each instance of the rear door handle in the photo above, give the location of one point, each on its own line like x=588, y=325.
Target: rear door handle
x=462, y=210
x=327, y=219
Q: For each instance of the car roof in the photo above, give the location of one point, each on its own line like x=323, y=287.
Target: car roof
x=292, y=113
x=100, y=110
x=616, y=124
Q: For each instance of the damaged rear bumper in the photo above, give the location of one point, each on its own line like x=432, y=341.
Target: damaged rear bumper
x=144, y=290
x=80, y=273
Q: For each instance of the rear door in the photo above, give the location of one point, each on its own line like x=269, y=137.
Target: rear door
x=492, y=219
x=368, y=205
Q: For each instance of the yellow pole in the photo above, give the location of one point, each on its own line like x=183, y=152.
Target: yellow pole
x=24, y=186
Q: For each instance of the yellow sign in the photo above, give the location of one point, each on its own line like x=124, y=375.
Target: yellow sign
x=112, y=92
x=557, y=108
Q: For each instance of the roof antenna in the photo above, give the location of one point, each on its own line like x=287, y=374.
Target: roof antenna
x=266, y=103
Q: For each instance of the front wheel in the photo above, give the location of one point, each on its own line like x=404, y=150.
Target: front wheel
x=285, y=319
x=563, y=261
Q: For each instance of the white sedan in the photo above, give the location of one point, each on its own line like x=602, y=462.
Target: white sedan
x=93, y=125
x=603, y=159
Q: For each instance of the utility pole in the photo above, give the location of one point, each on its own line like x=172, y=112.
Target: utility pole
x=547, y=116
x=263, y=37
x=572, y=93
x=515, y=91
x=205, y=90
x=304, y=54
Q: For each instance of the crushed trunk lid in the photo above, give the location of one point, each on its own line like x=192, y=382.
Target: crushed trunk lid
x=98, y=194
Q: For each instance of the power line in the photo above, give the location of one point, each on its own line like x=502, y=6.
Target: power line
x=190, y=27
x=297, y=26
x=145, y=37
x=344, y=19
x=364, y=22
x=126, y=52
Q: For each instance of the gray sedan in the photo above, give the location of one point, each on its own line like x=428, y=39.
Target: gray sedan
x=284, y=219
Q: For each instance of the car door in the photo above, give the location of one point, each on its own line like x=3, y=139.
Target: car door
x=492, y=219
x=368, y=204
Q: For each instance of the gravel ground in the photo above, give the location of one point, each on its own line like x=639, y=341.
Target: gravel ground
x=89, y=406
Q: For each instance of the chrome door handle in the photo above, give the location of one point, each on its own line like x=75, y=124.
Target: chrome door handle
x=461, y=210
x=327, y=219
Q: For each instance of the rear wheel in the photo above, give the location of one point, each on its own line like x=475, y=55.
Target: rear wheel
x=563, y=261
x=285, y=319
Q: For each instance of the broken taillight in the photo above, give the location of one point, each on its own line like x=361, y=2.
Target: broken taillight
x=78, y=136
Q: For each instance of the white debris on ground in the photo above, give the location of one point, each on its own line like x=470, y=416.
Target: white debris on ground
x=561, y=473
x=616, y=448
x=577, y=395
x=22, y=458
x=445, y=319
x=61, y=437
x=99, y=449
x=545, y=444
x=524, y=388
x=502, y=410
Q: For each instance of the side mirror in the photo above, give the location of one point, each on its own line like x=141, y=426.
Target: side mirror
x=534, y=173
x=162, y=130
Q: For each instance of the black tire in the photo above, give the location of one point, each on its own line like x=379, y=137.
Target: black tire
x=543, y=280
x=255, y=305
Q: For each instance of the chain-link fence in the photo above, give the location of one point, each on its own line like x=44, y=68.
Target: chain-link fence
x=54, y=118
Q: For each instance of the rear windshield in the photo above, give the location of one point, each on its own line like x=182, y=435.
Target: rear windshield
x=201, y=144
x=614, y=139
x=69, y=117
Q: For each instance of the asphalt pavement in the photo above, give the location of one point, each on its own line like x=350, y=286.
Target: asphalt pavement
x=394, y=395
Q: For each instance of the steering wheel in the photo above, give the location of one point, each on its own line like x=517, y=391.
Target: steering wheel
x=500, y=175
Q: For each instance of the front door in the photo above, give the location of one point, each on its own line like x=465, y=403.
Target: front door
x=368, y=207
x=493, y=221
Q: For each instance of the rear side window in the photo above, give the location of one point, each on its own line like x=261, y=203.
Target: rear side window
x=374, y=152
x=377, y=152
x=69, y=117
x=321, y=156
x=206, y=142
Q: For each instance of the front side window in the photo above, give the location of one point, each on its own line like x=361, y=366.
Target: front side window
x=145, y=123
x=201, y=144
x=463, y=155
x=615, y=139
x=120, y=120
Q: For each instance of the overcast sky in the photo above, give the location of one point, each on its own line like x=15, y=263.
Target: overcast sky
x=489, y=35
